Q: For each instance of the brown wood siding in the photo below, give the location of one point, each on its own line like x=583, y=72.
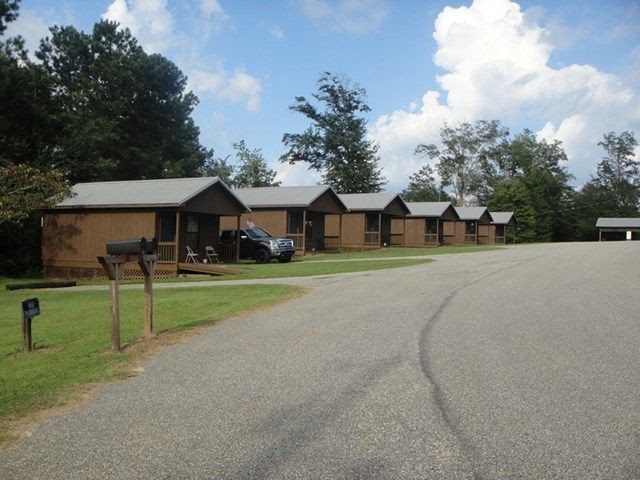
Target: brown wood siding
x=460, y=231
x=414, y=232
x=352, y=230
x=76, y=237
x=397, y=225
x=215, y=200
x=484, y=232
x=326, y=203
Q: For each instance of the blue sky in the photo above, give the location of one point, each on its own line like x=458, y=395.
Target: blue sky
x=567, y=70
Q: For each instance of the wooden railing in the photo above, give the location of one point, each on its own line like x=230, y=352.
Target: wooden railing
x=470, y=239
x=483, y=239
x=448, y=239
x=167, y=252
x=396, y=239
x=499, y=239
x=332, y=243
x=297, y=239
x=431, y=239
x=372, y=238
x=227, y=252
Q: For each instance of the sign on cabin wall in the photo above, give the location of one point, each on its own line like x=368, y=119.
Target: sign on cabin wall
x=30, y=308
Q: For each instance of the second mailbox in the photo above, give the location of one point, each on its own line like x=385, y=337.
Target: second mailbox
x=135, y=246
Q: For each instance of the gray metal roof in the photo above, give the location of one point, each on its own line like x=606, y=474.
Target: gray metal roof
x=427, y=209
x=369, y=201
x=471, y=213
x=618, y=222
x=501, y=218
x=165, y=192
x=264, y=197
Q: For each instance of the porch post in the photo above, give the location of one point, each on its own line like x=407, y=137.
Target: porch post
x=238, y=239
x=304, y=231
x=437, y=232
x=599, y=234
x=177, y=247
x=340, y=234
x=379, y=230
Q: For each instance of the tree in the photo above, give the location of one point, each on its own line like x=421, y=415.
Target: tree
x=122, y=114
x=335, y=143
x=218, y=167
x=619, y=171
x=25, y=190
x=513, y=196
x=8, y=13
x=252, y=170
x=466, y=157
x=422, y=187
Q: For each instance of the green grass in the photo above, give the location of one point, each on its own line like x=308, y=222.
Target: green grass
x=72, y=337
x=401, y=252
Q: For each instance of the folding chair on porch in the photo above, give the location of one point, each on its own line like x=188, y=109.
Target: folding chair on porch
x=211, y=255
x=191, y=256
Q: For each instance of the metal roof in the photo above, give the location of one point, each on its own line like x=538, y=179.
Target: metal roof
x=165, y=192
x=427, y=209
x=618, y=222
x=264, y=197
x=472, y=213
x=369, y=201
x=502, y=218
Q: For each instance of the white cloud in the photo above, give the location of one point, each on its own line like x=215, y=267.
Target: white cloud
x=355, y=17
x=239, y=87
x=149, y=21
x=276, y=31
x=32, y=27
x=297, y=174
x=496, y=64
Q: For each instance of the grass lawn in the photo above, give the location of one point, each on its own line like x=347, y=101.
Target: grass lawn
x=401, y=252
x=72, y=338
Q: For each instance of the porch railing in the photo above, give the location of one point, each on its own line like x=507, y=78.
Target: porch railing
x=431, y=239
x=297, y=239
x=448, y=239
x=396, y=239
x=499, y=239
x=167, y=252
x=483, y=240
x=372, y=238
x=332, y=243
x=227, y=252
x=470, y=238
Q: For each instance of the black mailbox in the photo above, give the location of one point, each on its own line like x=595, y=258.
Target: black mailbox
x=135, y=246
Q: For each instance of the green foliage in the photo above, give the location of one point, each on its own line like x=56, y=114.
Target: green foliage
x=513, y=196
x=252, y=170
x=8, y=13
x=614, y=191
x=218, y=167
x=422, y=187
x=25, y=189
x=335, y=143
x=122, y=114
x=467, y=156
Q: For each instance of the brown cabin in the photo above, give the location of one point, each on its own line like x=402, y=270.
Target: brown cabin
x=501, y=221
x=368, y=224
x=179, y=212
x=424, y=226
x=472, y=227
x=297, y=213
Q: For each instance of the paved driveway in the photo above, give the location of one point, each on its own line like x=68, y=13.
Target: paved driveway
x=517, y=363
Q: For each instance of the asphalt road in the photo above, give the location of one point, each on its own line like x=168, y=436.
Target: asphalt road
x=513, y=364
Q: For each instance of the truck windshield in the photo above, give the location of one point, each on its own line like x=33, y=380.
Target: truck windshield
x=257, y=233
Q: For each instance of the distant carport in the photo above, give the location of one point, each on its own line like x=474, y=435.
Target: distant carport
x=618, y=228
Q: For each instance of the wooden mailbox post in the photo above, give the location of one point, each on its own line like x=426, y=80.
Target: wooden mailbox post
x=113, y=266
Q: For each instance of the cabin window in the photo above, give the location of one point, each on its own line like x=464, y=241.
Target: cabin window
x=431, y=226
x=372, y=223
x=471, y=228
x=192, y=224
x=193, y=227
x=167, y=227
x=294, y=222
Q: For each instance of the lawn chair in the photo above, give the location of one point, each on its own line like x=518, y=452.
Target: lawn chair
x=191, y=256
x=211, y=255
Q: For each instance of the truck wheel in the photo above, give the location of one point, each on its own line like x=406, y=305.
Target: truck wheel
x=284, y=259
x=262, y=256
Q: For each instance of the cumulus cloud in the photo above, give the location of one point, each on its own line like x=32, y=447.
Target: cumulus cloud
x=276, y=32
x=149, y=21
x=298, y=174
x=238, y=87
x=355, y=17
x=496, y=62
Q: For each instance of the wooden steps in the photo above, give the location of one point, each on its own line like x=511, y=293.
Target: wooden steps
x=207, y=268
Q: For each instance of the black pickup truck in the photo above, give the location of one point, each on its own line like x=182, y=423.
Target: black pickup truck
x=260, y=245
